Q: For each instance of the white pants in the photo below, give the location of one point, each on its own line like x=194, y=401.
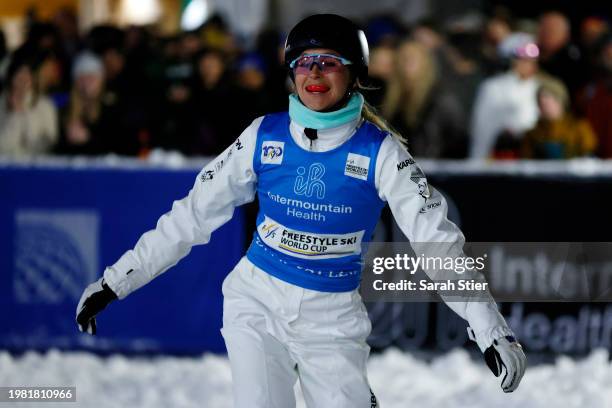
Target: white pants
x=276, y=332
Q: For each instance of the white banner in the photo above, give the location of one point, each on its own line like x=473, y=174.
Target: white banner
x=309, y=245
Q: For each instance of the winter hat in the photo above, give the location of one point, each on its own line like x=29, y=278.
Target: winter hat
x=87, y=63
x=252, y=60
x=518, y=45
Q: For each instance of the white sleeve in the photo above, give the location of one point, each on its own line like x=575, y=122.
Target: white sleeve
x=224, y=184
x=421, y=213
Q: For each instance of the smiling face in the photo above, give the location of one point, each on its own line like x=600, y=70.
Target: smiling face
x=321, y=91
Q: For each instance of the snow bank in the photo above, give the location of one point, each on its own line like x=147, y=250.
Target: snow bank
x=399, y=379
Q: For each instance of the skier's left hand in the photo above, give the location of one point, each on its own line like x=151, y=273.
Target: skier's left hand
x=506, y=353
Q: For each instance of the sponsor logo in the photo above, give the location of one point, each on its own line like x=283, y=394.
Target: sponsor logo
x=373, y=401
x=357, y=166
x=308, y=210
x=403, y=164
x=430, y=206
x=418, y=177
x=423, y=188
x=270, y=230
x=219, y=164
x=207, y=175
x=238, y=145
x=307, y=205
x=272, y=152
x=312, y=183
x=307, y=245
x=55, y=256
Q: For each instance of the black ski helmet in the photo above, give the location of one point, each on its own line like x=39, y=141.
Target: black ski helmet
x=329, y=31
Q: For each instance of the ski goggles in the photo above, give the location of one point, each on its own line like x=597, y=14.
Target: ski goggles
x=327, y=63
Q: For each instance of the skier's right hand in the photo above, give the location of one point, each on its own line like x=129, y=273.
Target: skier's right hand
x=94, y=299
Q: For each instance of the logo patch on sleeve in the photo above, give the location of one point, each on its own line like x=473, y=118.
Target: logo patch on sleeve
x=272, y=152
x=357, y=166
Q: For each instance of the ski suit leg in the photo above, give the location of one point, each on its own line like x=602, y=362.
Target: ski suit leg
x=263, y=373
x=331, y=350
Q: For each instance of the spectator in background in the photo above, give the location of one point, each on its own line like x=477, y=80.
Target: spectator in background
x=251, y=79
x=383, y=33
x=558, y=56
x=28, y=119
x=271, y=46
x=430, y=119
x=215, y=107
x=595, y=100
x=84, y=135
x=48, y=74
x=107, y=42
x=95, y=125
x=463, y=52
x=113, y=60
x=130, y=90
x=45, y=38
x=593, y=33
x=4, y=59
x=496, y=30
x=427, y=33
x=558, y=134
x=506, y=104
x=380, y=72
x=216, y=34
x=67, y=24
x=592, y=29
x=174, y=129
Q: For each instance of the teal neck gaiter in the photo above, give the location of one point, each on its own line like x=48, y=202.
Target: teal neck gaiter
x=308, y=118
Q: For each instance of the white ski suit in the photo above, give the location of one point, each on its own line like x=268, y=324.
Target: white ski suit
x=277, y=332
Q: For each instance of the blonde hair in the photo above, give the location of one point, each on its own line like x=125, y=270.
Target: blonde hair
x=408, y=96
x=556, y=88
x=77, y=111
x=369, y=113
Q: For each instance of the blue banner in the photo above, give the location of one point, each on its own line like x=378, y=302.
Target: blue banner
x=61, y=226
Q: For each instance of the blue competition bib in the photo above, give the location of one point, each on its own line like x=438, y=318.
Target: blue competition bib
x=317, y=210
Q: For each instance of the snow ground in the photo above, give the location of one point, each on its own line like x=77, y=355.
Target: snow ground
x=451, y=380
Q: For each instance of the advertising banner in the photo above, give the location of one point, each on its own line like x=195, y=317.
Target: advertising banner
x=61, y=226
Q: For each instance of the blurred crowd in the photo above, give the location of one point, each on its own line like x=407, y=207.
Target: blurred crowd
x=474, y=86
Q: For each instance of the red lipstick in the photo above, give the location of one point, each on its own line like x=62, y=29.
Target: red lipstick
x=317, y=88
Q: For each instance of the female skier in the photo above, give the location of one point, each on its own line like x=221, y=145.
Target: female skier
x=322, y=172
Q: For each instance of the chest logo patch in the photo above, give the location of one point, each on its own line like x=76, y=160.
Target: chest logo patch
x=272, y=152
x=357, y=166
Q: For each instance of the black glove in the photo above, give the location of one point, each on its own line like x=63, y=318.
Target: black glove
x=95, y=298
x=506, y=353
